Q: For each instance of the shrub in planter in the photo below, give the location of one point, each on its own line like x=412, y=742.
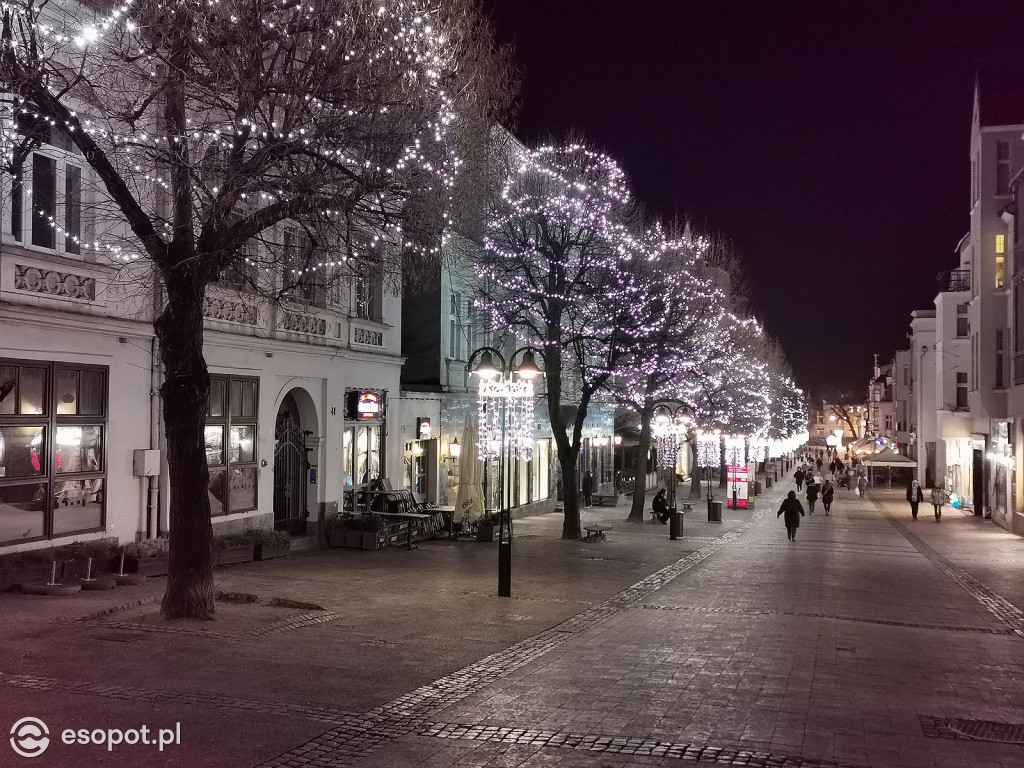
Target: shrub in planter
x=334, y=527
x=19, y=567
x=487, y=528
x=148, y=557
x=269, y=543
x=75, y=558
x=228, y=550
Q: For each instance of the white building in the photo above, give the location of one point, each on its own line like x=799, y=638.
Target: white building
x=301, y=402
x=922, y=402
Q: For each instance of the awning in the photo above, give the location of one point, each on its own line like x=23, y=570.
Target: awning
x=887, y=457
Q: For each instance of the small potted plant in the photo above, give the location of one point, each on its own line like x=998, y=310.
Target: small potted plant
x=149, y=557
x=487, y=527
x=228, y=550
x=269, y=543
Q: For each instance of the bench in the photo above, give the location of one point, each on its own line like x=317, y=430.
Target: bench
x=596, y=531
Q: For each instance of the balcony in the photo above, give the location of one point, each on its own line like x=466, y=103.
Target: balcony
x=953, y=280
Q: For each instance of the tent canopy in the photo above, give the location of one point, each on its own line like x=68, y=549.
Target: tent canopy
x=887, y=457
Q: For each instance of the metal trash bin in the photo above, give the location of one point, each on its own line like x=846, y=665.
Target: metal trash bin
x=757, y=487
x=714, y=511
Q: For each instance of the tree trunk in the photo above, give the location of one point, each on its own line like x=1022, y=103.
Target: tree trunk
x=570, y=495
x=636, y=512
x=695, y=487
x=184, y=394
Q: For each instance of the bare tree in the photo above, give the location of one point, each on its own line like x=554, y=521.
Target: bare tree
x=209, y=125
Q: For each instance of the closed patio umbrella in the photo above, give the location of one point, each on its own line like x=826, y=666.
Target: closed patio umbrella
x=469, y=501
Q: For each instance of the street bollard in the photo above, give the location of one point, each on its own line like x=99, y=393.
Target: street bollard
x=673, y=524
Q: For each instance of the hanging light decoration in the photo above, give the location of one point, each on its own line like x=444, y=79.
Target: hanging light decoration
x=517, y=399
x=709, y=444
x=735, y=450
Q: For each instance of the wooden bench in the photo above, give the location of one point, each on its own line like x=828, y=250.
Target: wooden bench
x=596, y=531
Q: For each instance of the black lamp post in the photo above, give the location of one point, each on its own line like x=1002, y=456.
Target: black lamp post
x=669, y=420
x=487, y=361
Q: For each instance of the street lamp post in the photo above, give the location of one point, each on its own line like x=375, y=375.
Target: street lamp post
x=668, y=424
x=498, y=387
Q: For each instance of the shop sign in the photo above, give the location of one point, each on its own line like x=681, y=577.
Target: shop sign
x=737, y=475
x=365, y=405
x=423, y=428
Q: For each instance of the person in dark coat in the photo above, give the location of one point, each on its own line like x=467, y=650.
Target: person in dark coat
x=799, y=477
x=828, y=493
x=588, y=488
x=812, y=494
x=818, y=463
x=660, y=506
x=793, y=511
x=915, y=495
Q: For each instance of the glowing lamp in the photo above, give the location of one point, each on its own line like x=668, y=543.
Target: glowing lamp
x=486, y=369
x=454, y=449
x=528, y=368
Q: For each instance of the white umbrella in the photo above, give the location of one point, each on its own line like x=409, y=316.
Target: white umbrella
x=469, y=501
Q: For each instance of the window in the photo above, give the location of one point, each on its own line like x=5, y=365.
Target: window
x=999, y=359
x=1002, y=167
x=368, y=295
x=961, y=391
x=53, y=422
x=54, y=178
x=888, y=422
x=304, y=278
x=232, y=421
x=455, y=326
x=241, y=273
x=974, y=361
x=1000, y=244
x=361, y=463
x=962, y=325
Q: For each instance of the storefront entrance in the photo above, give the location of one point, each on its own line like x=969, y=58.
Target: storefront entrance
x=291, y=466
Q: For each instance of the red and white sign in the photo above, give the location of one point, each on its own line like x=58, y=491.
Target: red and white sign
x=368, y=405
x=737, y=476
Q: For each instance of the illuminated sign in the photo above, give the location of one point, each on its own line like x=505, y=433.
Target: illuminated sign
x=365, y=405
x=423, y=428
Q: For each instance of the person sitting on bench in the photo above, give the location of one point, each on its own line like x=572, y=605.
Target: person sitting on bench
x=660, y=506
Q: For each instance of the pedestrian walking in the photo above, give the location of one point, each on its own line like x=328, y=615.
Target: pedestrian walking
x=588, y=488
x=812, y=494
x=832, y=467
x=660, y=506
x=828, y=493
x=862, y=485
x=818, y=464
x=799, y=477
x=938, y=498
x=793, y=511
x=915, y=495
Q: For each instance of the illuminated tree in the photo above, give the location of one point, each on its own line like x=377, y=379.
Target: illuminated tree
x=557, y=249
x=673, y=334
x=208, y=125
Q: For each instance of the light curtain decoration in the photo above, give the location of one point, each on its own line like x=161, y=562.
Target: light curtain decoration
x=708, y=447
x=758, y=448
x=735, y=450
x=517, y=397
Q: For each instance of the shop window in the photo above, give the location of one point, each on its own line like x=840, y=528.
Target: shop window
x=362, y=464
x=53, y=423
x=232, y=426
x=416, y=462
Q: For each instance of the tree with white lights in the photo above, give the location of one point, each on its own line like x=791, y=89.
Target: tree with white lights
x=673, y=337
x=557, y=248
x=207, y=127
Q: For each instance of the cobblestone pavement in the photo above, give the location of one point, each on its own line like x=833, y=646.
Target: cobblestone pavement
x=870, y=641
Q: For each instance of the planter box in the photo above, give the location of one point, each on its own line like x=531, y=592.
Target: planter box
x=146, y=566
x=10, y=578
x=336, y=537
x=486, y=532
x=374, y=539
x=264, y=552
x=236, y=553
x=354, y=539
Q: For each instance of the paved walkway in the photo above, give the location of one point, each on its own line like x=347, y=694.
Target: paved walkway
x=870, y=641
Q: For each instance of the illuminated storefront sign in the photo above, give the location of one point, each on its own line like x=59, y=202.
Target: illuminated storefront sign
x=365, y=405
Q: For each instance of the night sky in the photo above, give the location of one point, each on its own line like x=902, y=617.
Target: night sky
x=828, y=140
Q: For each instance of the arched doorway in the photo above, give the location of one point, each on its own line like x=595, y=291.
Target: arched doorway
x=291, y=468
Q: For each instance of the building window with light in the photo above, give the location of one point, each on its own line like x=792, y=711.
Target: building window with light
x=53, y=436
x=232, y=421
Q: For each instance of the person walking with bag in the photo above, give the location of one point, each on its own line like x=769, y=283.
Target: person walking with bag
x=915, y=495
x=793, y=511
x=938, y=498
x=828, y=493
x=799, y=477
